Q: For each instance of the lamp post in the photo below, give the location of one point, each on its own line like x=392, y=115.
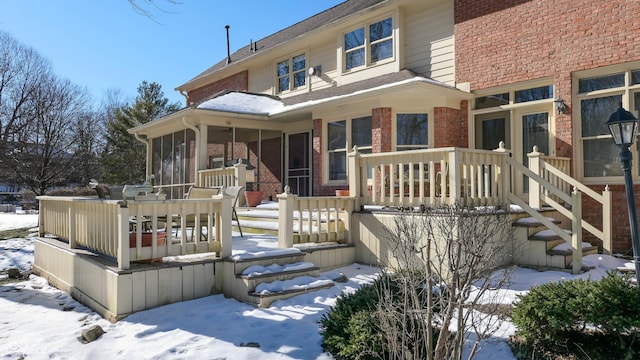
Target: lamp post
x=623, y=125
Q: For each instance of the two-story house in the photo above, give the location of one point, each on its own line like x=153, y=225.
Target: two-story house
x=396, y=75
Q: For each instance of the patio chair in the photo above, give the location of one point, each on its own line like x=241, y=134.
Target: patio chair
x=235, y=192
x=196, y=192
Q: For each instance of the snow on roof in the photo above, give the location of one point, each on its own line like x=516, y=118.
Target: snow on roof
x=259, y=104
x=241, y=102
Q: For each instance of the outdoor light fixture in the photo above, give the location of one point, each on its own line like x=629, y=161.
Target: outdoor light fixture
x=623, y=126
x=561, y=106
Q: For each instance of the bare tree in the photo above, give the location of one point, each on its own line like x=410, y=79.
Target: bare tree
x=145, y=9
x=446, y=259
x=44, y=152
x=22, y=71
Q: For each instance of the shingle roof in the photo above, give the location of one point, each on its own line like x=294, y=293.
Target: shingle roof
x=328, y=16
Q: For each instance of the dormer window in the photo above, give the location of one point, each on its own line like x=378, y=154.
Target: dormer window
x=368, y=45
x=291, y=73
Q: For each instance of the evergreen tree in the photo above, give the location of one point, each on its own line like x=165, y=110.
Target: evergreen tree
x=124, y=159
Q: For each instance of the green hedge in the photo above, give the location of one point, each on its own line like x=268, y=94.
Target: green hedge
x=579, y=319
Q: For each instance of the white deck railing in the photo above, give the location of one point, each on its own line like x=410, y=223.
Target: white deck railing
x=313, y=219
x=428, y=177
x=137, y=230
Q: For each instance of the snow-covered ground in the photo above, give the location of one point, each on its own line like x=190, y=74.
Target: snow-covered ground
x=38, y=321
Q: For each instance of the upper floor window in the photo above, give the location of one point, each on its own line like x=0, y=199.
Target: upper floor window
x=291, y=73
x=368, y=45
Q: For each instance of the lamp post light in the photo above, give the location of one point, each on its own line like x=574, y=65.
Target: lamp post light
x=623, y=126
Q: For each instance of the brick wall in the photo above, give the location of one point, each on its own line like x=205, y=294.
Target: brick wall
x=451, y=127
x=504, y=42
x=239, y=82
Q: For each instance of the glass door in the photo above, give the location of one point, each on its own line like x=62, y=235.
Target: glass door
x=491, y=129
x=298, y=163
x=534, y=132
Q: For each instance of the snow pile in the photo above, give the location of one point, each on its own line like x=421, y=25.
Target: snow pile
x=299, y=283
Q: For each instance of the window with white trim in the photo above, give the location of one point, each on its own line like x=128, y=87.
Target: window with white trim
x=412, y=131
x=291, y=73
x=368, y=45
x=599, y=97
x=342, y=136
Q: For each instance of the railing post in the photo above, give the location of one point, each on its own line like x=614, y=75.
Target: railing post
x=285, y=221
x=225, y=228
x=354, y=177
x=43, y=208
x=73, y=243
x=576, y=229
x=241, y=174
x=535, y=159
x=504, y=176
x=123, y=236
x=453, y=174
x=607, y=213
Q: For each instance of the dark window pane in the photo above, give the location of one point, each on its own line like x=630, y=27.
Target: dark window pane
x=337, y=135
x=380, y=30
x=493, y=131
x=283, y=84
x=338, y=166
x=299, y=62
x=355, y=58
x=190, y=156
x=601, y=82
x=601, y=158
x=167, y=159
x=635, y=77
x=361, y=131
x=283, y=68
x=156, y=161
x=381, y=50
x=354, y=39
x=539, y=93
x=412, y=129
x=299, y=79
x=492, y=101
x=178, y=157
x=595, y=114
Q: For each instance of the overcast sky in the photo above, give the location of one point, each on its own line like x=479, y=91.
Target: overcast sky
x=106, y=44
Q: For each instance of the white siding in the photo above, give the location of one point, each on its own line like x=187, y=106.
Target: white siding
x=428, y=41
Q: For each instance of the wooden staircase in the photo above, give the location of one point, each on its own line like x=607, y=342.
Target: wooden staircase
x=538, y=247
x=260, y=281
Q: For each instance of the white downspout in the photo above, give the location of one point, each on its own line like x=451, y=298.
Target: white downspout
x=197, y=147
x=147, y=142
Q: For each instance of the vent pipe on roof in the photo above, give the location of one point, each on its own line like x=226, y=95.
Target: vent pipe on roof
x=251, y=42
x=228, y=47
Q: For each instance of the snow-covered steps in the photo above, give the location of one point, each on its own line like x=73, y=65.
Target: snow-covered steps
x=266, y=293
x=260, y=279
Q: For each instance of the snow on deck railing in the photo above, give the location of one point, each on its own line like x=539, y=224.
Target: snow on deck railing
x=313, y=219
x=137, y=230
x=428, y=177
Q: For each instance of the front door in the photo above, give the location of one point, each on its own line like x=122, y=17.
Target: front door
x=535, y=132
x=298, y=163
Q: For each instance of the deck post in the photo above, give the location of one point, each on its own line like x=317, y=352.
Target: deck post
x=225, y=226
x=241, y=174
x=607, y=215
x=355, y=190
x=576, y=229
x=503, y=175
x=535, y=164
x=123, y=236
x=73, y=243
x=285, y=221
x=454, y=176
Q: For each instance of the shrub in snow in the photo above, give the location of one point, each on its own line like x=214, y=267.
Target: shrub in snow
x=588, y=319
